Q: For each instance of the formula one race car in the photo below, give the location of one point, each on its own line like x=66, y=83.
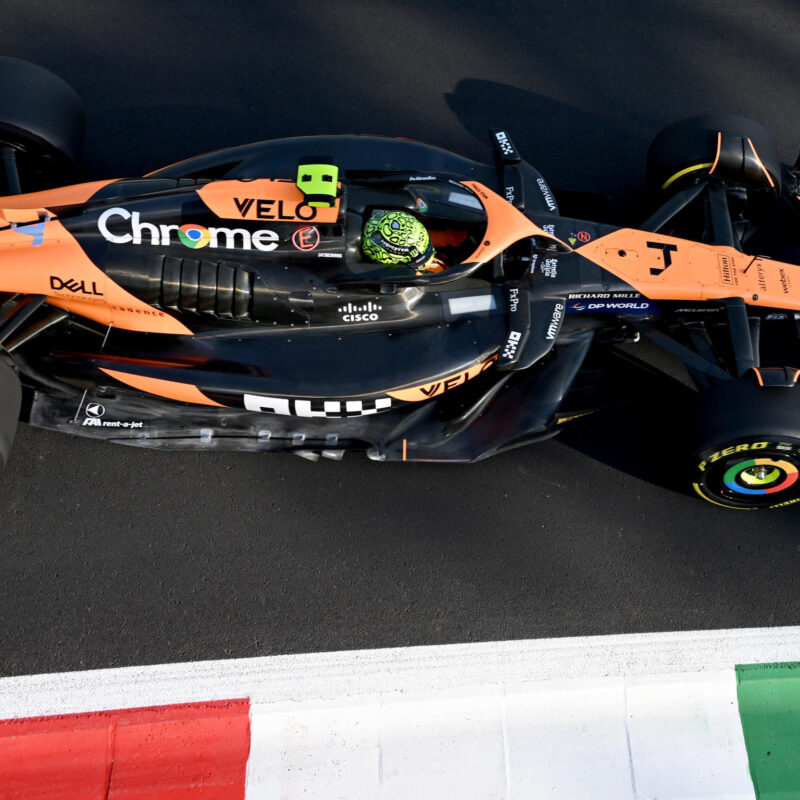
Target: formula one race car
x=224, y=302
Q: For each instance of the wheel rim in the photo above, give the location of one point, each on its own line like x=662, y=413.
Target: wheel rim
x=760, y=476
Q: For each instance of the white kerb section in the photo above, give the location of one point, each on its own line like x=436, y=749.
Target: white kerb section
x=618, y=717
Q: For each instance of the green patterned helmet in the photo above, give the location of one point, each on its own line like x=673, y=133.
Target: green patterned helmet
x=396, y=238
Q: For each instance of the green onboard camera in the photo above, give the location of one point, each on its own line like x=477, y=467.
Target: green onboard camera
x=319, y=183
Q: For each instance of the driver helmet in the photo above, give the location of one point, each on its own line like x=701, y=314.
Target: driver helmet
x=396, y=238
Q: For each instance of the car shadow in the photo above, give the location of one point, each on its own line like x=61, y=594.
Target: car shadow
x=644, y=429
x=597, y=154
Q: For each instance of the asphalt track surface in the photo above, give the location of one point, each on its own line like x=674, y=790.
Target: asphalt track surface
x=115, y=556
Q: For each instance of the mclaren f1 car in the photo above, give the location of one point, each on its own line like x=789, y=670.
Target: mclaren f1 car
x=224, y=302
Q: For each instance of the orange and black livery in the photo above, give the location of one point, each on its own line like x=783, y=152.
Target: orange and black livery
x=225, y=302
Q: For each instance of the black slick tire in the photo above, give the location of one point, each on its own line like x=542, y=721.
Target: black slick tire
x=737, y=150
x=41, y=116
x=746, y=452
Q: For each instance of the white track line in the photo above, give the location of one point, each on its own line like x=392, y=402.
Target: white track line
x=329, y=676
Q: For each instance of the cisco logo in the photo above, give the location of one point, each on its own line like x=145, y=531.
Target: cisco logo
x=367, y=312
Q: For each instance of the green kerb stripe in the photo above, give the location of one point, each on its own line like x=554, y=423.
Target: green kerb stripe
x=769, y=706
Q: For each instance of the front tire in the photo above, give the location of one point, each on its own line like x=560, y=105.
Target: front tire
x=737, y=150
x=747, y=446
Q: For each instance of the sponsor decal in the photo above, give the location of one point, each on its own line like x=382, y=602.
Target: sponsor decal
x=367, y=312
x=776, y=316
x=94, y=412
x=94, y=422
x=509, y=192
x=415, y=178
x=286, y=406
x=427, y=390
x=74, y=286
x=476, y=189
x=306, y=238
x=548, y=197
x=194, y=236
x=129, y=229
x=604, y=295
x=512, y=343
x=555, y=321
x=550, y=267
x=614, y=306
x=667, y=250
x=549, y=228
x=761, y=276
x=784, y=279
x=513, y=299
x=264, y=199
x=148, y=311
x=583, y=236
x=505, y=145
x=284, y=211
x=727, y=271
x=421, y=204
x=329, y=255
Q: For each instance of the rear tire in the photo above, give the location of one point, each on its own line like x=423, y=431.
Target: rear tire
x=747, y=446
x=688, y=149
x=10, y=403
x=41, y=117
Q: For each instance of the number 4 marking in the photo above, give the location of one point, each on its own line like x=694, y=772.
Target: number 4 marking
x=668, y=250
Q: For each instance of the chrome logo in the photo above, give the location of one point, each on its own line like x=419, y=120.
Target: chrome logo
x=194, y=236
x=760, y=476
x=120, y=226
